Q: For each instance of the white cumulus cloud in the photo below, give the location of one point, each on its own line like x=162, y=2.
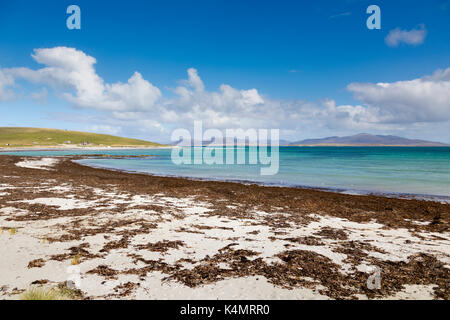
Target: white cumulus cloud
x=425, y=99
x=72, y=72
x=6, y=81
x=412, y=37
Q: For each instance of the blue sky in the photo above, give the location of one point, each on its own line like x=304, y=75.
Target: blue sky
x=299, y=56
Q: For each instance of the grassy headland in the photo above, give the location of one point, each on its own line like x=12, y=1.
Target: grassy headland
x=36, y=137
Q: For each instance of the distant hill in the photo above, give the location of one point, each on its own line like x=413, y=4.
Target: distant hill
x=224, y=142
x=34, y=137
x=364, y=139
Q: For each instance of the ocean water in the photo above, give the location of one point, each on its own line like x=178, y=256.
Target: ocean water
x=360, y=170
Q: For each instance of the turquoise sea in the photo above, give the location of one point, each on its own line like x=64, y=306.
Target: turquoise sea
x=423, y=172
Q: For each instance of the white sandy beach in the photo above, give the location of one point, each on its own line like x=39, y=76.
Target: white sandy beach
x=200, y=235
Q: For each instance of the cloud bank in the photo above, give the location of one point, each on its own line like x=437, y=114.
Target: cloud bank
x=137, y=103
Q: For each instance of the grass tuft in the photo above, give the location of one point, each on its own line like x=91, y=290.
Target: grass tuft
x=43, y=294
x=76, y=260
x=61, y=292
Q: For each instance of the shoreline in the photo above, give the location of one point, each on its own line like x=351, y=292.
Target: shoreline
x=62, y=148
x=406, y=196
x=137, y=236
x=398, y=195
x=100, y=148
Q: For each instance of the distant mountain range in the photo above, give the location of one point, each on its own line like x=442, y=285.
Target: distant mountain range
x=365, y=139
x=362, y=139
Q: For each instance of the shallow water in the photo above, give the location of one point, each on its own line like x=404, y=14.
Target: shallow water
x=386, y=170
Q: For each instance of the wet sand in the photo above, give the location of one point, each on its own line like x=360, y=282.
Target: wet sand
x=135, y=236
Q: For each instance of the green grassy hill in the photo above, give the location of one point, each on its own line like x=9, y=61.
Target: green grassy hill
x=32, y=137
